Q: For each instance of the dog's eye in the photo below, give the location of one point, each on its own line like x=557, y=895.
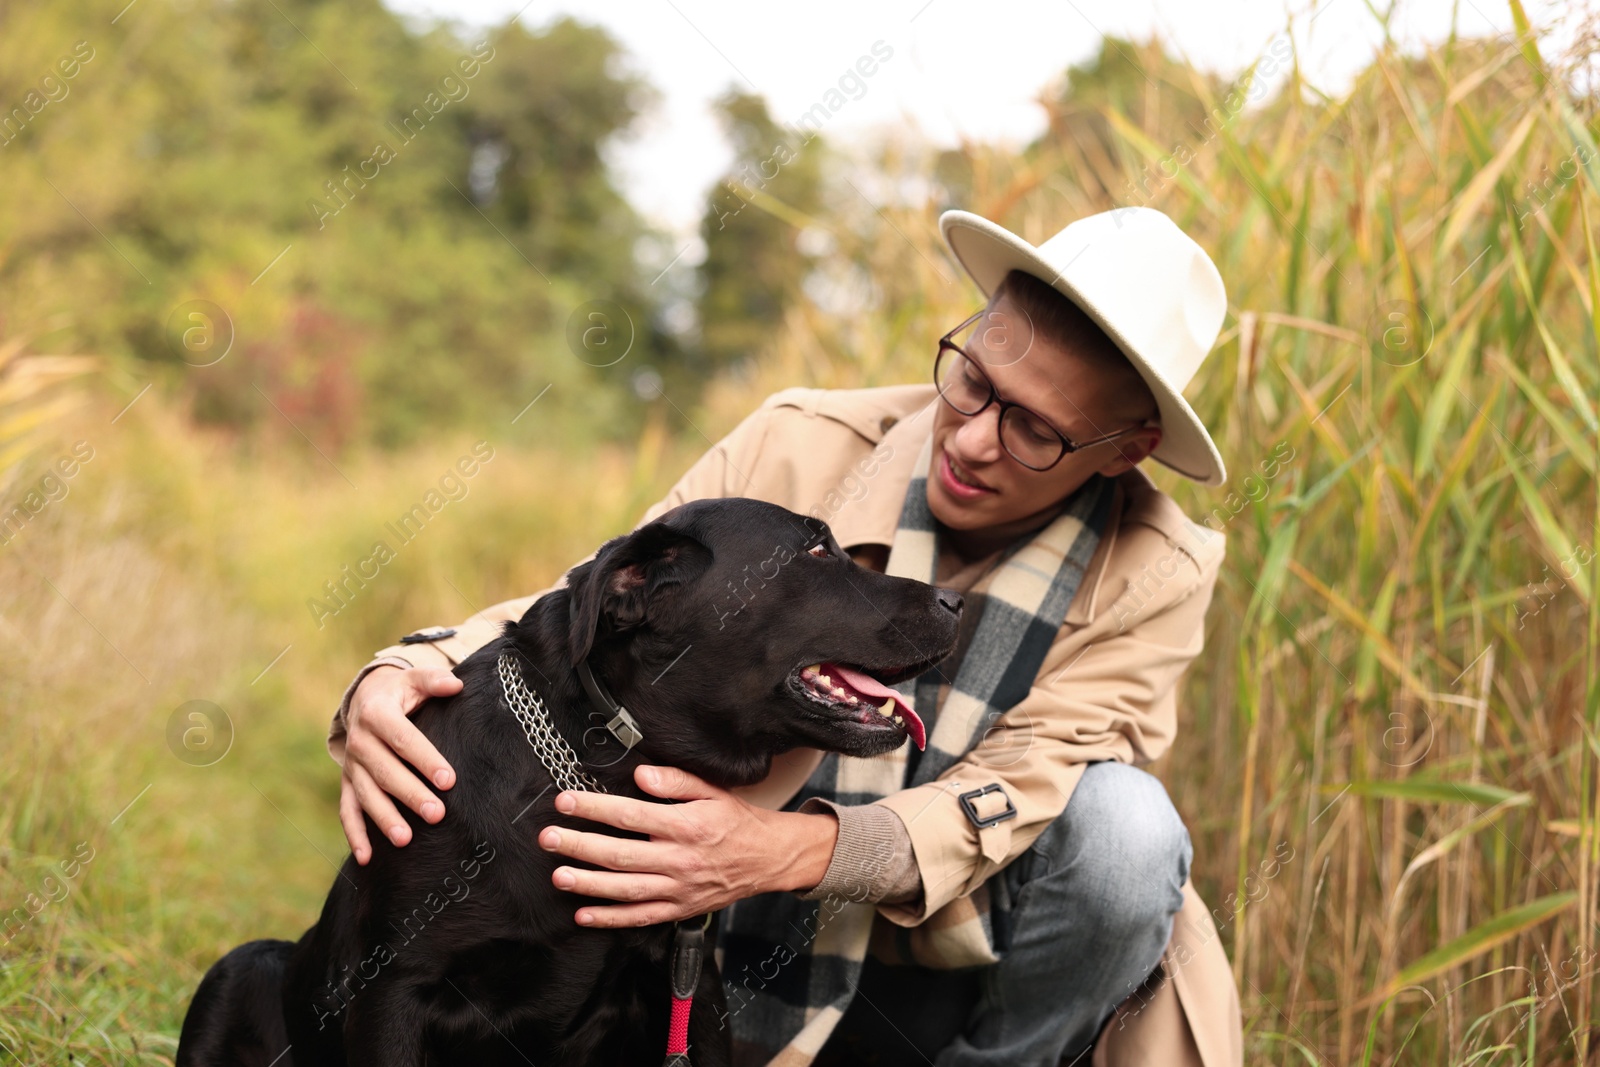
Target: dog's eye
x=820, y=550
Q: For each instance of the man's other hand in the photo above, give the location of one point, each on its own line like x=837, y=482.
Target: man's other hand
x=379, y=737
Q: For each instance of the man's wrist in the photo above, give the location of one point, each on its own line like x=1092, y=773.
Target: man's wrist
x=806, y=849
x=347, y=710
x=340, y=726
x=386, y=663
x=385, y=666
x=873, y=858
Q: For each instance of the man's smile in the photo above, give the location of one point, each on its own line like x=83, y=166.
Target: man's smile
x=958, y=482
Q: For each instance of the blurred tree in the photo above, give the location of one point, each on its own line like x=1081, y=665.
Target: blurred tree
x=754, y=264
x=397, y=220
x=536, y=124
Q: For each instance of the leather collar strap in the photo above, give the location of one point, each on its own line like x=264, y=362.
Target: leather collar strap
x=621, y=724
x=688, y=956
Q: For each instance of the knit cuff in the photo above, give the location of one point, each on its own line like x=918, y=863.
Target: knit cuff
x=873, y=861
x=338, y=728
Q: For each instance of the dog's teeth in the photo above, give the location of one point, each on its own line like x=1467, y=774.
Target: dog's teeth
x=899, y=721
x=887, y=706
x=811, y=671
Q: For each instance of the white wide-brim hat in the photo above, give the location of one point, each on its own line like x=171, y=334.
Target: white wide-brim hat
x=1148, y=285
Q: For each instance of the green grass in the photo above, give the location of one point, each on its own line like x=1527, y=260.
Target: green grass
x=175, y=570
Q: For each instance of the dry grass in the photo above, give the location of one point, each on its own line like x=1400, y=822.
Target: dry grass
x=1390, y=756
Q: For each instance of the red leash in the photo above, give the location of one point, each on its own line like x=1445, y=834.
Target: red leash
x=688, y=956
x=678, y=1029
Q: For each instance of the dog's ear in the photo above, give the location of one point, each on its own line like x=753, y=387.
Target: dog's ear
x=617, y=587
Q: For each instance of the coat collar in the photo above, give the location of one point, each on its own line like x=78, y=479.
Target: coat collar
x=873, y=517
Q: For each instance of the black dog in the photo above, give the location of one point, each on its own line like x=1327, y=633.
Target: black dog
x=732, y=630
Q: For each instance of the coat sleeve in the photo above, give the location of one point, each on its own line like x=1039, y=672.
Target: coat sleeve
x=720, y=472
x=1106, y=690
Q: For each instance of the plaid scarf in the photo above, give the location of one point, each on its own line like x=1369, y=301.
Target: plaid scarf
x=791, y=965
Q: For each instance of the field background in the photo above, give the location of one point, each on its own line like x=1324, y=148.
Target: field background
x=1391, y=744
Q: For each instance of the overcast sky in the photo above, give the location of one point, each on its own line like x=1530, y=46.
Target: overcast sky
x=956, y=69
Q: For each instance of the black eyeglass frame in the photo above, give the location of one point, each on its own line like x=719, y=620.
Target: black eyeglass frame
x=1067, y=444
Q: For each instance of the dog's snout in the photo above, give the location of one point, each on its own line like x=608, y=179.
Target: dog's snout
x=950, y=600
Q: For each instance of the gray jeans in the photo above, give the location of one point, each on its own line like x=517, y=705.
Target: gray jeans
x=1092, y=905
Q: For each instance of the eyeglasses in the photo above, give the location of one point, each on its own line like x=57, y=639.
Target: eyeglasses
x=1027, y=437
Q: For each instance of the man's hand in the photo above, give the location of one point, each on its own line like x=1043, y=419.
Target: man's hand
x=702, y=855
x=379, y=736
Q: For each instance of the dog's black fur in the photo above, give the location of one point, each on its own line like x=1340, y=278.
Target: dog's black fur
x=457, y=948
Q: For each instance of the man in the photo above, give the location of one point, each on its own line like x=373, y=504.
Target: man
x=1018, y=893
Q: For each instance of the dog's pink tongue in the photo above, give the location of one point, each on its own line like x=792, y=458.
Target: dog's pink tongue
x=867, y=685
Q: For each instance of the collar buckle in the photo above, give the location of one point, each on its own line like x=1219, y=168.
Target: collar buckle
x=622, y=725
x=624, y=729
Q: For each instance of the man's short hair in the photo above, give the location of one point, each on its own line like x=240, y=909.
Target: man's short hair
x=1056, y=318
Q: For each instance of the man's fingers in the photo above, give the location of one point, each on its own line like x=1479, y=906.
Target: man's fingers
x=619, y=916
x=433, y=682
x=616, y=853
x=376, y=803
x=634, y=888
x=673, y=783
x=396, y=779
x=624, y=813
x=413, y=746
x=355, y=828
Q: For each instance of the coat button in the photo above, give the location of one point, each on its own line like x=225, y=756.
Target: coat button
x=886, y=422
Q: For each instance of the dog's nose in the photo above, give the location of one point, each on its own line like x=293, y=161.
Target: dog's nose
x=950, y=600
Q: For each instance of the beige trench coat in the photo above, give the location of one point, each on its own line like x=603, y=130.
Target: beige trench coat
x=1107, y=689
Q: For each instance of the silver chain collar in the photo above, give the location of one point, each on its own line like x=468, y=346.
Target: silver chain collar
x=548, y=744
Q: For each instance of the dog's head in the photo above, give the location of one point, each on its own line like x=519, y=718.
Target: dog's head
x=735, y=629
